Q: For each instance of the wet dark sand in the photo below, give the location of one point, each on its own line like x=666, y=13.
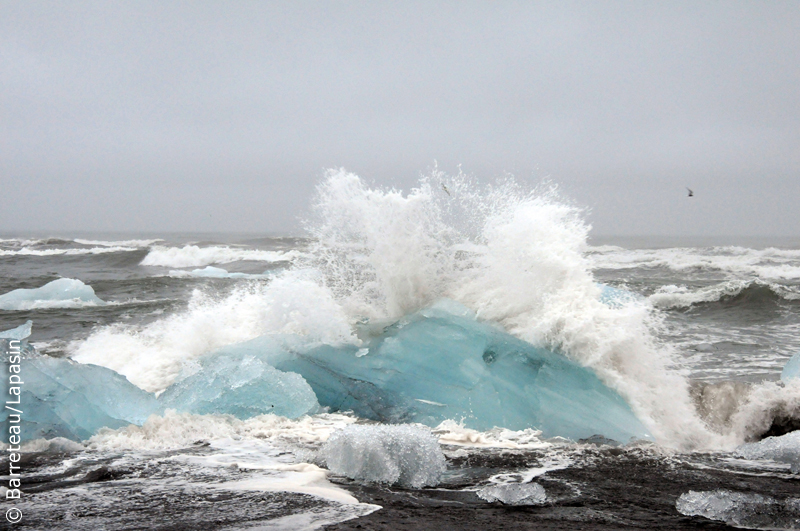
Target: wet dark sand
x=608, y=489
x=602, y=489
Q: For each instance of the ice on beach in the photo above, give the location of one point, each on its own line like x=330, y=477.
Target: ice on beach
x=404, y=455
x=61, y=293
x=440, y=364
x=243, y=385
x=741, y=509
x=61, y=398
x=783, y=449
x=514, y=494
x=792, y=368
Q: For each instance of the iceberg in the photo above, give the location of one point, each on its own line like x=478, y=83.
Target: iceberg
x=441, y=363
x=61, y=398
x=792, y=368
x=242, y=385
x=404, y=455
x=514, y=494
x=741, y=509
x=61, y=293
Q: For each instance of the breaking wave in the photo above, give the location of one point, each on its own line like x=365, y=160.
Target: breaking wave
x=27, y=251
x=730, y=292
x=515, y=258
x=741, y=262
x=194, y=256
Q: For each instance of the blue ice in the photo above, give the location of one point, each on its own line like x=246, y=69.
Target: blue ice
x=64, y=292
x=21, y=332
x=791, y=369
x=243, y=385
x=441, y=364
x=616, y=297
x=61, y=398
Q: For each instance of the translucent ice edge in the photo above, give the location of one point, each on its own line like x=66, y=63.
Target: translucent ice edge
x=61, y=293
x=741, y=509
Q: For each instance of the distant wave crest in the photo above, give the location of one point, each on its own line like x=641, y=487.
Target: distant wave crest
x=733, y=291
x=194, y=256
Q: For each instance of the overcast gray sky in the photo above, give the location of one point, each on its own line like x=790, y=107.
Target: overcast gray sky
x=221, y=116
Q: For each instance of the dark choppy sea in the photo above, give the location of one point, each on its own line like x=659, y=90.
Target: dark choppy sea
x=719, y=317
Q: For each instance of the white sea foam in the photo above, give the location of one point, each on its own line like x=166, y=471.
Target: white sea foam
x=27, y=251
x=215, y=272
x=121, y=243
x=194, y=256
x=454, y=433
x=152, y=356
x=765, y=403
x=516, y=258
x=180, y=430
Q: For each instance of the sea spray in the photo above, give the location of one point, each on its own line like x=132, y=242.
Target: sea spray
x=514, y=257
x=154, y=355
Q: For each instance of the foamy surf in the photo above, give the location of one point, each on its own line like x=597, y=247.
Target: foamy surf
x=195, y=256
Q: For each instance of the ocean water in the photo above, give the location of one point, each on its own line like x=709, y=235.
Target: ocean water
x=695, y=348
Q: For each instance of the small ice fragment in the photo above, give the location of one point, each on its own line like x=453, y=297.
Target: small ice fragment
x=61, y=293
x=362, y=352
x=20, y=332
x=405, y=454
x=741, y=509
x=514, y=494
x=783, y=449
x=791, y=369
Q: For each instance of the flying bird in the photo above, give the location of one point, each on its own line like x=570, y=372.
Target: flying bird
x=691, y=194
x=445, y=189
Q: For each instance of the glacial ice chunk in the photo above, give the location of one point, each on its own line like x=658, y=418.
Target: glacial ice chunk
x=783, y=449
x=514, y=494
x=741, y=509
x=791, y=369
x=61, y=293
x=21, y=332
x=61, y=398
x=404, y=455
x=440, y=364
x=243, y=385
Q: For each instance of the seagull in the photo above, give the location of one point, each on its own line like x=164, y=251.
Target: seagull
x=691, y=194
x=445, y=189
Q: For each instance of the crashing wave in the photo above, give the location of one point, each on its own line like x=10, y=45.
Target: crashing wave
x=750, y=292
x=514, y=258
